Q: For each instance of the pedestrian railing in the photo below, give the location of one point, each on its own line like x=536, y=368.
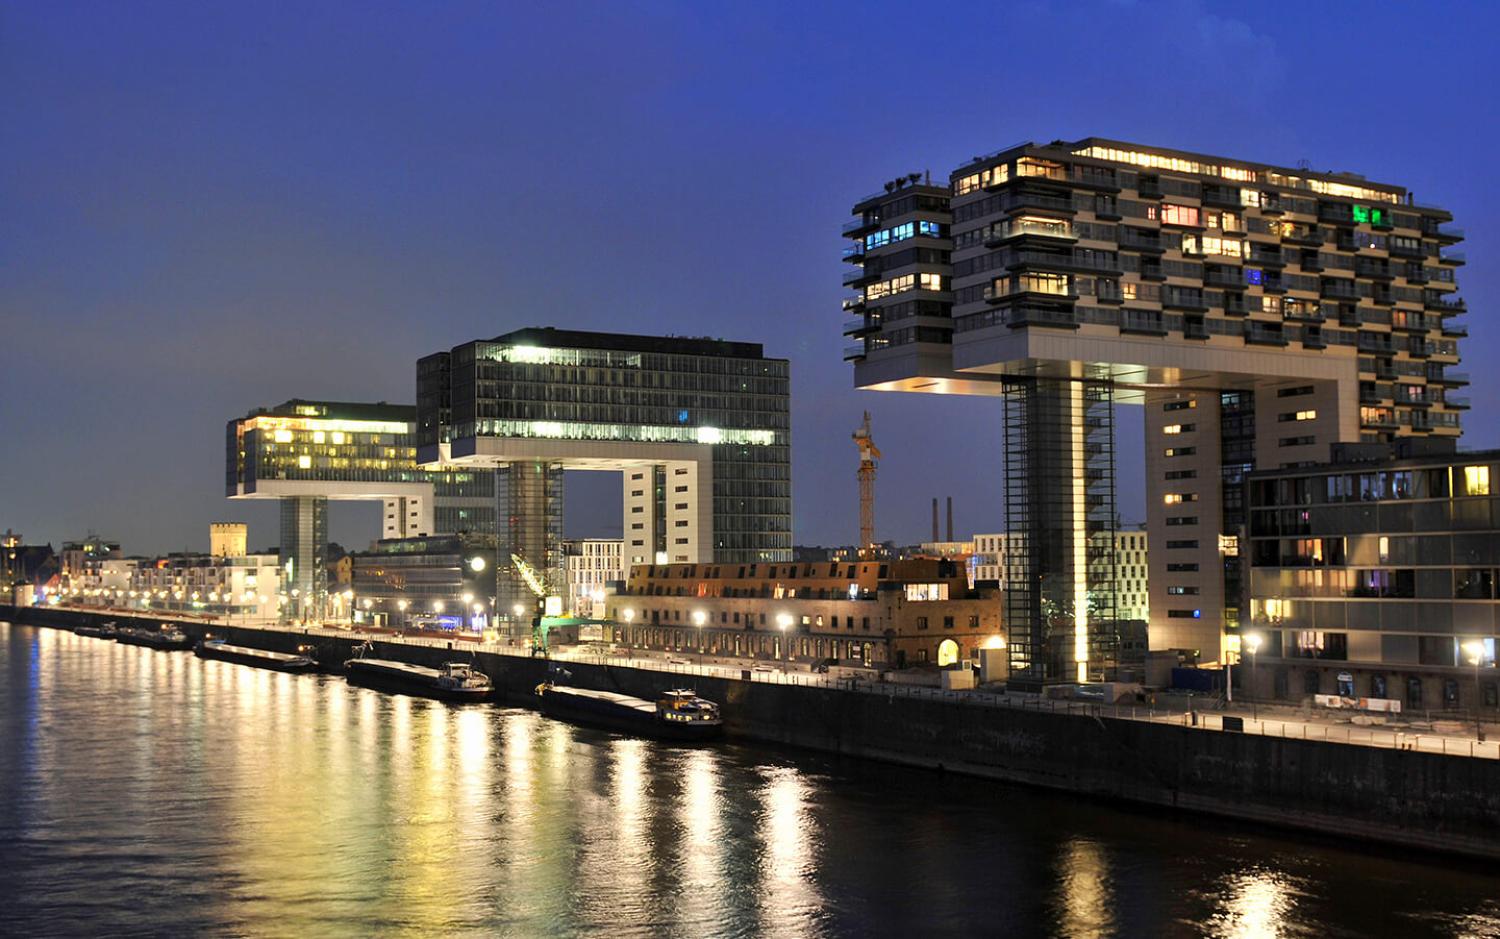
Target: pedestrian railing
x=1386, y=737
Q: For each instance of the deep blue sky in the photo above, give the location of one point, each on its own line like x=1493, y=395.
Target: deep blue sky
x=207, y=209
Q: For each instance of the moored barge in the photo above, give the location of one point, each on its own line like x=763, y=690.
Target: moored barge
x=676, y=715
x=222, y=651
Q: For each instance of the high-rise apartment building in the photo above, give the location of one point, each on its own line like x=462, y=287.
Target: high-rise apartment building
x=699, y=430
x=1259, y=313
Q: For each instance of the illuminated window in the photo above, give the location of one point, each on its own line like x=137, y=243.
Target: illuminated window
x=1253, y=276
x=1477, y=480
x=1177, y=498
x=1179, y=214
x=304, y=462
x=947, y=652
x=1178, y=428
x=283, y=436
x=1128, y=291
x=1045, y=283
x=338, y=436
x=319, y=437
x=1213, y=244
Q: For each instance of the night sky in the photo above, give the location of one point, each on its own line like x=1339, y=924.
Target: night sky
x=207, y=210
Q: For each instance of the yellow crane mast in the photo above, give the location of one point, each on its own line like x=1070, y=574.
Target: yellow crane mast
x=869, y=454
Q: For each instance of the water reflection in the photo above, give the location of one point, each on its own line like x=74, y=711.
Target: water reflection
x=1086, y=897
x=787, y=893
x=157, y=794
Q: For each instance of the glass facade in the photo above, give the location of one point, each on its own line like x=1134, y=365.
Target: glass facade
x=306, y=452
x=1383, y=563
x=620, y=389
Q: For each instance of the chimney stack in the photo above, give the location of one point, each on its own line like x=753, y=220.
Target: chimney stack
x=934, y=519
x=950, y=518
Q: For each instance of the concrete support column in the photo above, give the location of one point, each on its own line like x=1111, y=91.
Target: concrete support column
x=532, y=530
x=1059, y=493
x=304, y=543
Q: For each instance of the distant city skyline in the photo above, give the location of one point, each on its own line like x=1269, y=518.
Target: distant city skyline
x=210, y=209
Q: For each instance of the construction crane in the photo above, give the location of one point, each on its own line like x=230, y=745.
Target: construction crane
x=537, y=584
x=868, y=455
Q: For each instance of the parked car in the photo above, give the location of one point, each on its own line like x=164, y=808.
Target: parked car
x=821, y=666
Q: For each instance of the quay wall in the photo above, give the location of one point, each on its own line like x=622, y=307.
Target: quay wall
x=1422, y=800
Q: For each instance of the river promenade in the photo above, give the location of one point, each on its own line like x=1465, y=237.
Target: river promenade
x=1430, y=791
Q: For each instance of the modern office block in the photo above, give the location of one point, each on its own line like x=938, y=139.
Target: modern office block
x=699, y=430
x=1259, y=313
x=305, y=453
x=1375, y=575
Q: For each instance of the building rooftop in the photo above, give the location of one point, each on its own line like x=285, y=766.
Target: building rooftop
x=548, y=337
x=1149, y=157
x=339, y=410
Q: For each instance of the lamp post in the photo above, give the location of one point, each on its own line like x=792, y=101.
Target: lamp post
x=1252, y=641
x=1474, y=649
x=468, y=605
x=784, y=621
x=401, y=606
x=699, y=617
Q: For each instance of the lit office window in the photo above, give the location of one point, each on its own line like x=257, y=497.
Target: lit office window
x=1477, y=480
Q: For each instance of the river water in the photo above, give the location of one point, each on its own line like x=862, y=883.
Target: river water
x=152, y=793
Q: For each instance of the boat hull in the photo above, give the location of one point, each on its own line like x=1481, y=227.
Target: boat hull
x=95, y=632
x=161, y=644
x=299, y=663
x=594, y=712
x=358, y=673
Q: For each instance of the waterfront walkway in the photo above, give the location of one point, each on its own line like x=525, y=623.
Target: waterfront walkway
x=1407, y=733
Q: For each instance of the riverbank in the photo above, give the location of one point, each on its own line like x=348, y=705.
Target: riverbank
x=1397, y=797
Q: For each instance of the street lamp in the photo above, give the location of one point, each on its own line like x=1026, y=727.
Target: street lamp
x=699, y=618
x=401, y=606
x=784, y=620
x=1474, y=649
x=1252, y=642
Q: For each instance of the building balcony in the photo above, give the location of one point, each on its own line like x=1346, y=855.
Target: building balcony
x=859, y=325
x=1263, y=335
x=1444, y=304
x=1449, y=233
x=1056, y=229
x=1147, y=322
x=1452, y=379
x=858, y=276
x=1408, y=251
x=1448, y=256
x=1001, y=291
x=1303, y=235
x=1339, y=290
x=1225, y=197
x=853, y=304
x=1031, y=199
x=855, y=253
x=860, y=226
x=854, y=352
x=1456, y=402
x=1455, y=329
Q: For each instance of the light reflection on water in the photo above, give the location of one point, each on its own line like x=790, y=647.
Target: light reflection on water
x=152, y=793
